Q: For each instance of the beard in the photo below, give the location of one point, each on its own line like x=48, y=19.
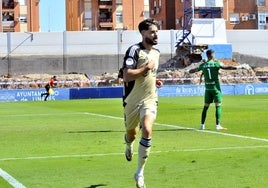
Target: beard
x=151, y=41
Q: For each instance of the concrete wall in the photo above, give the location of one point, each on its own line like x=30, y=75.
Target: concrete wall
x=95, y=52
x=249, y=42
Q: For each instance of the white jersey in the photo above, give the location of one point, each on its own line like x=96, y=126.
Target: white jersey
x=143, y=88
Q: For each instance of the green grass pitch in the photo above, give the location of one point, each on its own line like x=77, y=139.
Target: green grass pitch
x=79, y=144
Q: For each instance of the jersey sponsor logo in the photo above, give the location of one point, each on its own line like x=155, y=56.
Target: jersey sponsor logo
x=129, y=61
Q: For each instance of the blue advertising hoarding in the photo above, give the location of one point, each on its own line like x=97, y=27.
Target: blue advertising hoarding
x=116, y=92
x=32, y=95
x=199, y=90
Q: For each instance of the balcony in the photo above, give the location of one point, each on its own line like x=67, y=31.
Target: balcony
x=106, y=23
x=105, y=4
x=8, y=23
x=8, y=26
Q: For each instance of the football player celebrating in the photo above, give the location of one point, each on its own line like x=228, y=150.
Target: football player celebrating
x=140, y=96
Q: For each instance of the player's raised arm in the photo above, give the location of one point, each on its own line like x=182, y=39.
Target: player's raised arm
x=231, y=67
x=193, y=70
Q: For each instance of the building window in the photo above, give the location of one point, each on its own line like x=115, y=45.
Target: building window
x=23, y=2
x=261, y=3
x=262, y=19
x=234, y=19
x=118, y=3
x=119, y=17
x=88, y=15
x=146, y=14
x=8, y=16
x=146, y=2
x=9, y=4
x=105, y=15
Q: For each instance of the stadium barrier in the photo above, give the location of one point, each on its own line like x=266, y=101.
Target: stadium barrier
x=198, y=90
x=96, y=92
x=13, y=95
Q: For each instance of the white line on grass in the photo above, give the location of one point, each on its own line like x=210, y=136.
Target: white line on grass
x=160, y=124
x=12, y=181
x=180, y=127
x=47, y=114
x=215, y=132
x=115, y=154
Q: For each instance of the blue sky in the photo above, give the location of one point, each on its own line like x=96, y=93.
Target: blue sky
x=52, y=15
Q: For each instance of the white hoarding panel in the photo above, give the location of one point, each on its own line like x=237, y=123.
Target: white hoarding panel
x=209, y=31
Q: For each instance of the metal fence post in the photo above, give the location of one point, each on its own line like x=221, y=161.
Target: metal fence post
x=64, y=45
x=8, y=53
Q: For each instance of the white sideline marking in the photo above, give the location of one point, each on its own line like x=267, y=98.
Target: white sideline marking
x=215, y=132
x=180, y=127
x=48, y=114
x=114, y=154
x=12, y=181
x=161, y=124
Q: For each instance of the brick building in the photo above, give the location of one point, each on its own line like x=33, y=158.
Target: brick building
x=23, y=15
x=105, y=14
x=19, y=15
x=238, y=14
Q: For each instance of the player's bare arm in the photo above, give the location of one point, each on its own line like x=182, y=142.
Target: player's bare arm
x=193, y=70
x=230, y=67
x=132, y=74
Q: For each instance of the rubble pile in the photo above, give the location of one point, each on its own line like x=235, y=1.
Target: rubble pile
x=40, y=80
x=169, y=75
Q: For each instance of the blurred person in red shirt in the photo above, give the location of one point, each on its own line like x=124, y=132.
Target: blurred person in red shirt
x=49, y=87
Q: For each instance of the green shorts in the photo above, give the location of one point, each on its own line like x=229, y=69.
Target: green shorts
x=213, y=96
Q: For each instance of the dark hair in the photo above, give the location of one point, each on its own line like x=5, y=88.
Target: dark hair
x=209, y=53
x=145, y=24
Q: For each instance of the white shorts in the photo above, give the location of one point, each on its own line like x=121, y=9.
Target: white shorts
x=134, y=113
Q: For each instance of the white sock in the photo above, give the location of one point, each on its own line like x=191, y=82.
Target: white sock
x=143, y=154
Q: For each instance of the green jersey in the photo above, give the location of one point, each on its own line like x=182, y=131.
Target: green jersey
x=210, y=71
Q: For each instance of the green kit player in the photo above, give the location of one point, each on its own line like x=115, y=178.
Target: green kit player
x=210, y=70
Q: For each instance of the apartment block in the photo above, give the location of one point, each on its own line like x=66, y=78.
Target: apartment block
x=19, y=15
x=238, y=14
x=246, y=14
x=105, y=14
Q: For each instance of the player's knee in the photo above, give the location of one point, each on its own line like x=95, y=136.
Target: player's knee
x=146, y=131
